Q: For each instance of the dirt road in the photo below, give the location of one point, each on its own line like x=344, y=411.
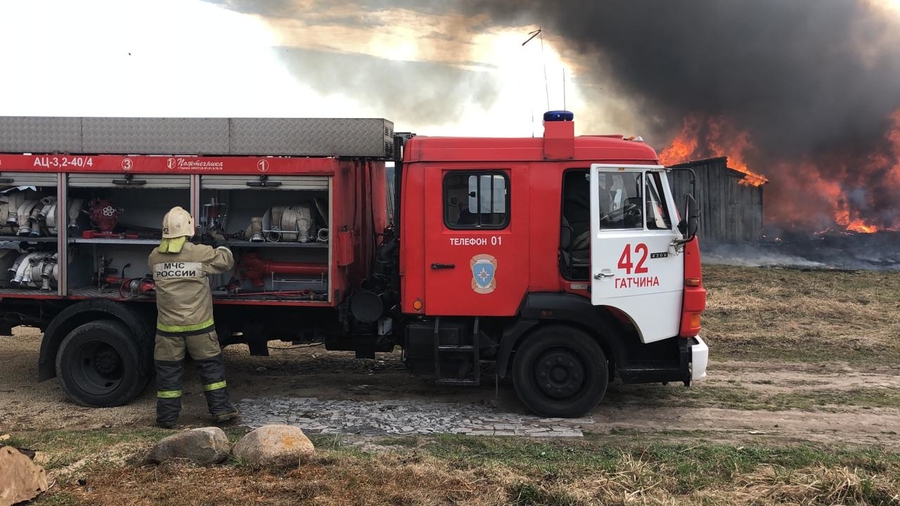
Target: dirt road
x=767, y=402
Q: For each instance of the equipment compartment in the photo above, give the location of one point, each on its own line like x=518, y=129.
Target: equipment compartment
x=117, y=221
x=278, y=229
x=29, y=230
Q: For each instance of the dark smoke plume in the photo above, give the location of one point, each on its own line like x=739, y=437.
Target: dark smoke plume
x=800, y=74
x=813, y=82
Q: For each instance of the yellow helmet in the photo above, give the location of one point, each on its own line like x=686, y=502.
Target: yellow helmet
x=177, y=223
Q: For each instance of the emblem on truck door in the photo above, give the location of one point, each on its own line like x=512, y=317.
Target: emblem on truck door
x=484, y=267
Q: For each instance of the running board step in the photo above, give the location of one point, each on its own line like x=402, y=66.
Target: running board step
x=470, y=350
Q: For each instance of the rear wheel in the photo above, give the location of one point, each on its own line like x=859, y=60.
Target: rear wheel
x=560, y=371
x=99, y=364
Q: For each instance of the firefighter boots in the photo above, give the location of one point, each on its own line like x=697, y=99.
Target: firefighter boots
x=212, y=375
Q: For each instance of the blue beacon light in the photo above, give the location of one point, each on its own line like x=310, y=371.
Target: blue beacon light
x=559, y=116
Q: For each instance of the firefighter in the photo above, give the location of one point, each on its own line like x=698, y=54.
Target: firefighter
x=185, y=317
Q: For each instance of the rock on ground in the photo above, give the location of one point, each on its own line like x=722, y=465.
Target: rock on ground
x=20, y=478
x=274, y=445
x=205, y=445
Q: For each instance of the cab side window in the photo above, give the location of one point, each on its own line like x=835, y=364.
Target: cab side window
x=621, y=200
x=476, y=200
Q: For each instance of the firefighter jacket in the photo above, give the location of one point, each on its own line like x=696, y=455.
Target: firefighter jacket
x=183, y=295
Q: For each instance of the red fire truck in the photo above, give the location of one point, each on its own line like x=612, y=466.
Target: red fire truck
x=563, y=260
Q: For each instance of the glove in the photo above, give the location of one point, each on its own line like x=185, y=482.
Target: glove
x=218, y=238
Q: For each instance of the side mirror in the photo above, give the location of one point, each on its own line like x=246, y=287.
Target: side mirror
x=690, y=224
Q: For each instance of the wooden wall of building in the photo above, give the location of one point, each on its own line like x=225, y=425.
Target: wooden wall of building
x=729, y=211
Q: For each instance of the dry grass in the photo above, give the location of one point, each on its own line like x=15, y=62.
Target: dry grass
x=818, y=485
x=327, y=480
x=765, y=485
x=458, y=470
x=796, y=315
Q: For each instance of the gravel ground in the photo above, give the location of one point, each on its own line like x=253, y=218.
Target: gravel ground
x=402, y=417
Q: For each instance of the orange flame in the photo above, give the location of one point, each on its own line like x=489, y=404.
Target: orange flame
x=859, y=226
x=821, y=198
x=684, y=145
x=842, y=216
x=721, y=139
x=725, y=140
x=804, y=195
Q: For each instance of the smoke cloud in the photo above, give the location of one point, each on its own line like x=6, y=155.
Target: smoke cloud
x=328, y=47
x=813, y=82
x=400, y=87
x=800, y=75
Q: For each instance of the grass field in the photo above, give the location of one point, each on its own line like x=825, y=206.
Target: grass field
x=485, y=471
x=803, y=316
x=811, y=320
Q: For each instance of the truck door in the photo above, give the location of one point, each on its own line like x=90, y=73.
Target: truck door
x=635, y=265
x=476, y=242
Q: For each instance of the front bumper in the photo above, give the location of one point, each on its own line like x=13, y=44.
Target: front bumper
x=699, y=359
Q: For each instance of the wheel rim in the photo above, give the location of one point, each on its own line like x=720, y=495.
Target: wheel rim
x=559, y=373
x=97, y=367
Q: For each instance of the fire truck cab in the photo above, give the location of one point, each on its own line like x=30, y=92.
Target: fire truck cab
x=562, y=258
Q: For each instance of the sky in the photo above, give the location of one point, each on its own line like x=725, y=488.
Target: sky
x=192, y=58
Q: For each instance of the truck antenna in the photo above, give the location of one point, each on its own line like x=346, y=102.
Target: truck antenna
x=533, y=34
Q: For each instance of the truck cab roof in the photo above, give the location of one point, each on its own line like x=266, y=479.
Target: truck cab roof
x=465, y=149
x=558, y=143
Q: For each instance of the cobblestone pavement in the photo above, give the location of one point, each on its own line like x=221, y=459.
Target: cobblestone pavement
x=401, y=417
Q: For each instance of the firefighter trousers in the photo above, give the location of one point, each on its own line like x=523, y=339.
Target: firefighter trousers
x=168, y=357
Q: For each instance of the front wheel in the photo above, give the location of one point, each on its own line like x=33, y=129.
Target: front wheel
x=560, y=371
x=99, y=364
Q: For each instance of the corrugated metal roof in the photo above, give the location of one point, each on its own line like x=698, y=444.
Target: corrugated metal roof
x=345, y=137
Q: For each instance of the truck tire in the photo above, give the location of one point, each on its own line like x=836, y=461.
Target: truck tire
x=560, y=371
x=99, y=364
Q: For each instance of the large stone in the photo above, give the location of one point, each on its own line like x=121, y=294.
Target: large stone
x=20, y=478
x=274, y=445
x=205, y=445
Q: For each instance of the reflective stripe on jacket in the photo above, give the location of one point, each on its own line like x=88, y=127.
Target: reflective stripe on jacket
x=183, y=295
